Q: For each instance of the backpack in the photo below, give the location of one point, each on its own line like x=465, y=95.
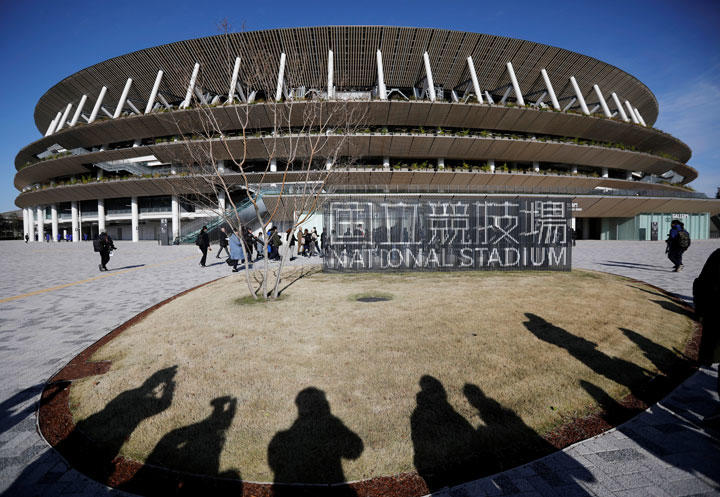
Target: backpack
x=683, y=239
x=97, y=243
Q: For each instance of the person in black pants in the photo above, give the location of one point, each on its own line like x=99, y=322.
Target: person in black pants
x=203, y=242
x=223, y=243
x=106, y=245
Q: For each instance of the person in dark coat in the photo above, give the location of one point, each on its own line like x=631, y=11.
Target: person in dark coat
x=672, y=249
x=223, y=243
x=706, y=295
x=203, y=243
x=275, y=242
x=106, y=245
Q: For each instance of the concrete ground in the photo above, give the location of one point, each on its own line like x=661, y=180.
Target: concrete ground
x=54, y=303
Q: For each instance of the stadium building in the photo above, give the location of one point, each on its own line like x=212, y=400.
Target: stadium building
x=447, y=113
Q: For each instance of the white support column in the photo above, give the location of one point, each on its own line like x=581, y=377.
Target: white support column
x=221, y=201
x=491, y=163
x=75, y=222
x=603, y=103
x=573, y=169
x=51, y=127
x=153, y=93
x=135, y=216
x=631, y=113
x=191, y=86
x=123, y=97
x=536, y=166
x=619, y=107
x=64, y=117
x=98, y=104
x=516, y=85
x=550, y=89
x=331, y=74
x=381, y=76
x=639, y=117
x=580, y=98
x=25, y=222
x=441, y=163
x=328, y=163
x=41, y=223
x=605, y=172
x=233, y=81
x=55, y=124
x=280, y=78
x=473, y=77
x=273, y=165
x=79, y=109
x=428, y=74
x=570, y=103
x=54, y=222
x=31, y=223
x=101, y=215
x=386, y=162
x=175, y=205
x=489, y=97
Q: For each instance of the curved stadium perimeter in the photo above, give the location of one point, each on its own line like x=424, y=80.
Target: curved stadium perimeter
x=447, y=112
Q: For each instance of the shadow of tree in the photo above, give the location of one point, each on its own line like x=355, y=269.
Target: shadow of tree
x=10, y=415
x=312, y=449
x=450, y=451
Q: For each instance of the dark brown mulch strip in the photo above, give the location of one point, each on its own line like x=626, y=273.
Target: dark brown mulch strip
x=56, y=425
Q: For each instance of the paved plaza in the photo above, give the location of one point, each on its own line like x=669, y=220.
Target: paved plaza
x=54, y=303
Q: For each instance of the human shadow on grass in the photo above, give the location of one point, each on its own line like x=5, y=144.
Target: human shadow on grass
x=659, y=294
x=616, y=369
x=448, y=450
x=93, y=444
x=312, y=449
x=185, y=457
x=673, y=307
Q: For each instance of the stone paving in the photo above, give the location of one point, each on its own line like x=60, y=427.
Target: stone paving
x=664, y=451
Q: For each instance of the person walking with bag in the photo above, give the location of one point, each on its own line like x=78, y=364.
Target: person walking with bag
x=678, y=242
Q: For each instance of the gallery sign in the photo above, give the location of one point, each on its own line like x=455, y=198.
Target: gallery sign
x=507, y=233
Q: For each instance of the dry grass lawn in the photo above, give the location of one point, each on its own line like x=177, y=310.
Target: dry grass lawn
x=515, y=353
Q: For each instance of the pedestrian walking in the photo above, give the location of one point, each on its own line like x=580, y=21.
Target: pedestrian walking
x=237, y=255
x=27, y=237
x=223, y=243
x=103, y=244
x=300, y=241
x=323, y=243
x=203, y=243
x=677, y=243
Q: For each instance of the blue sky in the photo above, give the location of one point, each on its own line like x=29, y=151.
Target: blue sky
x=673, y=47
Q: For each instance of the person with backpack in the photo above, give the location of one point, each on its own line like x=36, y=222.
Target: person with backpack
x=203, y=243
x=103, y=244
x=677, y=243
x=275, y=242
x=223, y=243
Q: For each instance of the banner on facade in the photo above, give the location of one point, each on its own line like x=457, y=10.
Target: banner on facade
x=498, y=233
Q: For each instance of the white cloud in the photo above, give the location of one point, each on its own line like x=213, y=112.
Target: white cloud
x=692, y=114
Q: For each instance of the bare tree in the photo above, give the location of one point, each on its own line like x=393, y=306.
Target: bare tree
x=283, y=148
